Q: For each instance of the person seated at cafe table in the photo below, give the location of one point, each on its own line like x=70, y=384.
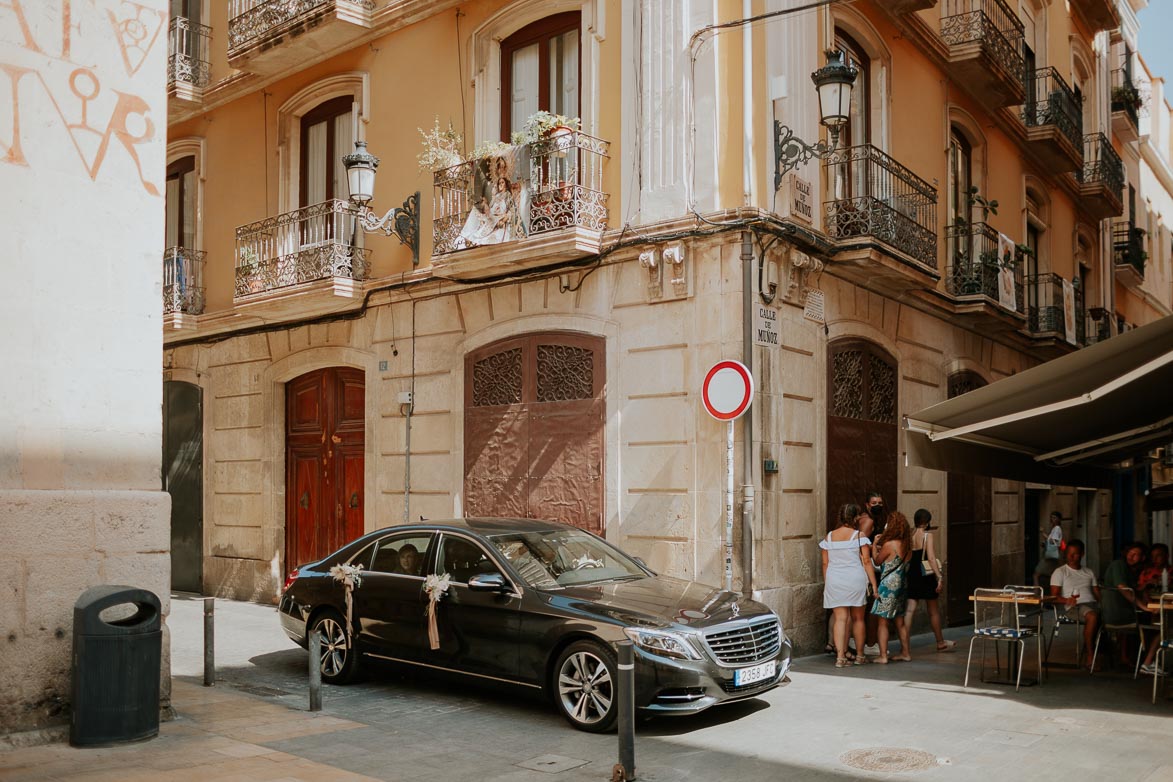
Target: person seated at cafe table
x=1151, y=586
x=1121, y=598
x=1080, y=592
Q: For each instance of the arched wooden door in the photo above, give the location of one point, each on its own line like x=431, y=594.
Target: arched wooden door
x=533, y=429
x=970, y=518
x=324, y=442
x=861, y=425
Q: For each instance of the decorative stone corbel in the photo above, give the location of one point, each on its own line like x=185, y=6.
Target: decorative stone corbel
x=648, y=260
x=798, y=270
x=674, y=255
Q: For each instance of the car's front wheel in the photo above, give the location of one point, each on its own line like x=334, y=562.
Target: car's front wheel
x=339, y=664
x=585, y=686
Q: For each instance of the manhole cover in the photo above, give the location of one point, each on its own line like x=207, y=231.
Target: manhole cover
x=888, y=759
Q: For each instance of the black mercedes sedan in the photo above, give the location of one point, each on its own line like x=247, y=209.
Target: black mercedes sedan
x=539, y=605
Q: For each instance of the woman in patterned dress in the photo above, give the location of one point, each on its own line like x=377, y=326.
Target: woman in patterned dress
x=892, y=553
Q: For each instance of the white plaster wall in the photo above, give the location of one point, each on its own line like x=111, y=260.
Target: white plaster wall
x=82, y=135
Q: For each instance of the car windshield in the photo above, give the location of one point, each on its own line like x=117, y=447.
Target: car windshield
x=558, y=558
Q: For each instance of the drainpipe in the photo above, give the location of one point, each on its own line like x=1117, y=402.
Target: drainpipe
x=747, y=489
x=407, y=409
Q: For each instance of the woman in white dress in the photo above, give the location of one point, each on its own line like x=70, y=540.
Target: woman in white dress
x=847, y=576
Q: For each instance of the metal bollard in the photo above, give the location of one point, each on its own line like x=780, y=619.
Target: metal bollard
x=209, y=641
x=315, y=670
x=625, y=692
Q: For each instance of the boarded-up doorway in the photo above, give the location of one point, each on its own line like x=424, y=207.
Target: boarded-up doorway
x=969, y=516
x=324, y=441
x=861, y=425
x=183, y=479
x=533, y=429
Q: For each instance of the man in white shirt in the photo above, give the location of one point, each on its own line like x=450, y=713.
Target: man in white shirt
x=1080, y=592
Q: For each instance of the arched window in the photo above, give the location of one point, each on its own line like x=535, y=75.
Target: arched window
x=540, y=70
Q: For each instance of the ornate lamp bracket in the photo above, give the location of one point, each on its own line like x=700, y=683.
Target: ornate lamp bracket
x=402, y=222
x=790, y=152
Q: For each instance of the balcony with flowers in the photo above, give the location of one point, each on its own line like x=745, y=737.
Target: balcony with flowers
x=984, y=275
x=536, y=202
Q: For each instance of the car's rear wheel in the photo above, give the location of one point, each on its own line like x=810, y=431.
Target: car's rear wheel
x=585, y=686
x=339, y=663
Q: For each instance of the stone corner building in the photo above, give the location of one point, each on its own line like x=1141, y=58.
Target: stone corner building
x=82, y=141
x=545, y=359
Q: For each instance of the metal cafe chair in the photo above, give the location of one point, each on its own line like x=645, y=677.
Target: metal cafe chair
x=1164, y=637
x=1032, y=615
x=1125, y=628
x=1003, y=615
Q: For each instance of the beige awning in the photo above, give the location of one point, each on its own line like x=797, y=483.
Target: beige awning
x=1070, y=421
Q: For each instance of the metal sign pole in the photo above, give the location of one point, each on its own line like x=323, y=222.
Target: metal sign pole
x=729, y=507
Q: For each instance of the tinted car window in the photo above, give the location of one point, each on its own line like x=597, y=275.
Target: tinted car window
x=555, y=558
x=402, y=554
x=461, y=559
x=363, y=557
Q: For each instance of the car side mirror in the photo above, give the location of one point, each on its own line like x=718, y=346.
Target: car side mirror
x=488, y=582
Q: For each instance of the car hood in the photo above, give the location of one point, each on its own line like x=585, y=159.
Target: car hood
x=660, y=601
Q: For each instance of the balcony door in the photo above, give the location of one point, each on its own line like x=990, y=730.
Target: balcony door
x=324, y=446
x=540, y=70
x=327, y=134
x=181, y=196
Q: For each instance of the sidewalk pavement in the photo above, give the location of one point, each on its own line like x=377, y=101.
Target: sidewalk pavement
x=892, y=722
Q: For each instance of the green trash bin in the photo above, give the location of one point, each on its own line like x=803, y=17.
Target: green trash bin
x=116, y=666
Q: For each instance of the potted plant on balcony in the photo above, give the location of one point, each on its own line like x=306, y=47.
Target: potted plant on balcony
x=546, y=125
x=1126, y=98
x=442, y=147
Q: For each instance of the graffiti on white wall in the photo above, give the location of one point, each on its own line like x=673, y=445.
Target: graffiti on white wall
x=51, y=55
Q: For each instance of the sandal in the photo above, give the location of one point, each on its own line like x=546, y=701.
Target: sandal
x=841, y=662
x=861, y=661
x=829, y=649
x=948, y=646
x=850, y=655
x=880, y=661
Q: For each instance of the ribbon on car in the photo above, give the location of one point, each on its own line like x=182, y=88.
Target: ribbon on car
x=351, y=578
x=436, y=587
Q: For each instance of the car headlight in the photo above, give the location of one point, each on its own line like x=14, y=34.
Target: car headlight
x=662, y=643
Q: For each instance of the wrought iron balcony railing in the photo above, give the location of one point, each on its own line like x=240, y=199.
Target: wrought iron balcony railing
x=1051, y=102
x=990, y=23
x=1099, y=325
x=979, y=266
x=316, y=242
x=188, y=47
x=548, y=185
x=1045, y=307
x=183, y=281
x=873, y=195
x=250, y=21
x=1101, y=164
x=1128, y=245
x=1125, y=95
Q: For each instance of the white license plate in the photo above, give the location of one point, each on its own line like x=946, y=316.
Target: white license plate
x=757, y=673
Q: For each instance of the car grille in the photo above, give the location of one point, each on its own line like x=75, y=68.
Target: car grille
x=746, y=644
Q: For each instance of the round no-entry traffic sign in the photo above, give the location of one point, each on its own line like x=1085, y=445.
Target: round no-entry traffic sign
x=728, y=390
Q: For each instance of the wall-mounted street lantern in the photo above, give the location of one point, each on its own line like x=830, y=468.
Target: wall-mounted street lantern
x=833, y=82
x=401, y=221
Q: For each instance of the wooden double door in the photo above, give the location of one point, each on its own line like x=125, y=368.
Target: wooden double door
x=861, y=426
x=969, y=514
x=324, y=439
x=533, y=429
